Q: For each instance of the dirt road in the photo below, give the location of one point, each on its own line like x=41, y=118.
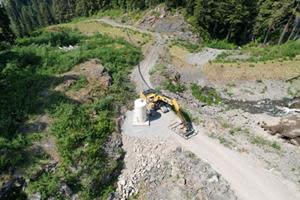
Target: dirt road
x=147, y=64
x=248, y=179
x=152, y=53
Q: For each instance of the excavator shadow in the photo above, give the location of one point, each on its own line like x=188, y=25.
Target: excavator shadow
x=154, y=115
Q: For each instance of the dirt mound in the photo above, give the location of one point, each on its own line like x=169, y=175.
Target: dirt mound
x=288, y=128
x=160, y=20
x=295, y=103
x=85, y=82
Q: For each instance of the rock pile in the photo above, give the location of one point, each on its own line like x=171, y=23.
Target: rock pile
x=162, y=21
x=288, y=128
x=159, y=170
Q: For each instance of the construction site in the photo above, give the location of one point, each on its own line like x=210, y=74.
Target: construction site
x=195, y=121
x=246, y=149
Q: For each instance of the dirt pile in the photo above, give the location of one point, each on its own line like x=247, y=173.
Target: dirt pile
x=295, y=103
x=94, y=79
x=288, y=128
x=161, y=20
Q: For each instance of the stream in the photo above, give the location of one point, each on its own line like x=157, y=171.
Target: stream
x=271, y=107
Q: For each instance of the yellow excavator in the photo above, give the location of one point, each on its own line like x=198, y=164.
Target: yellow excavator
x=156, y=101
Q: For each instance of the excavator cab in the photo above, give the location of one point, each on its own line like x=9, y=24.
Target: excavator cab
x=155, y=101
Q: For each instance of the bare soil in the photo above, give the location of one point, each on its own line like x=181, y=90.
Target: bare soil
x=245, y=71
x=98, y=81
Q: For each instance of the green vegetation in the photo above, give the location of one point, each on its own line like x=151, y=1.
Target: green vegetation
x=293, y=92
x=89, y=27
x=159, y=68
x=174, y=86
x=258, y=53
x=80, y=83
x=227, y=143
x=225, y=125
x=266, y=21
x=191, y=47
x=113, y=13
x=219, y=44
x=235, y=130
x=64, y=37
x=260, y=141
x=48, y=185
x=286, y=51
x=205, y=94
x=28, y=75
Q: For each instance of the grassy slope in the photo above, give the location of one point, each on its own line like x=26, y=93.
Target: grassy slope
x=271, y=62
x=90, y=27
x=28, y=75
x=270, y=70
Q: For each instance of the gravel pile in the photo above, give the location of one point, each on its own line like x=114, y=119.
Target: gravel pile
x=158, y=170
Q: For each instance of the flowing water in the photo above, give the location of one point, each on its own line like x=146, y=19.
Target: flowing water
x=272, y=107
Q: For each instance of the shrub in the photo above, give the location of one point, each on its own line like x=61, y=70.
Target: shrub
x=47, y=185
x=62, y=38
x=219, y=44
x=11, y=151
x=191, y=47
x=174, y=87
x=27, y=78
x=206, y=95
x=260, y=141
x=80, y=83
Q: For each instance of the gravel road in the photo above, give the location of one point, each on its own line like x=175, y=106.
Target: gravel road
x=147, y=64
x=152, y=54
x=248, y=179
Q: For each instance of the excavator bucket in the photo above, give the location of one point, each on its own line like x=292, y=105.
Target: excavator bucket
x=181, y=130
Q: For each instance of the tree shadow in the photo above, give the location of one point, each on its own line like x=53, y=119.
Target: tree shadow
x=24, y=93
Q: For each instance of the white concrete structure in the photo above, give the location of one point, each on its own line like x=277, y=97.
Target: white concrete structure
x=140, y=117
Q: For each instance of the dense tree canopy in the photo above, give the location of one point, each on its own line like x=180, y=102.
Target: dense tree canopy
x=238, y=21
x=6, y=35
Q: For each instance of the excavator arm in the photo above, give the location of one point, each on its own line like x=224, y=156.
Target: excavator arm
x=153, y=98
